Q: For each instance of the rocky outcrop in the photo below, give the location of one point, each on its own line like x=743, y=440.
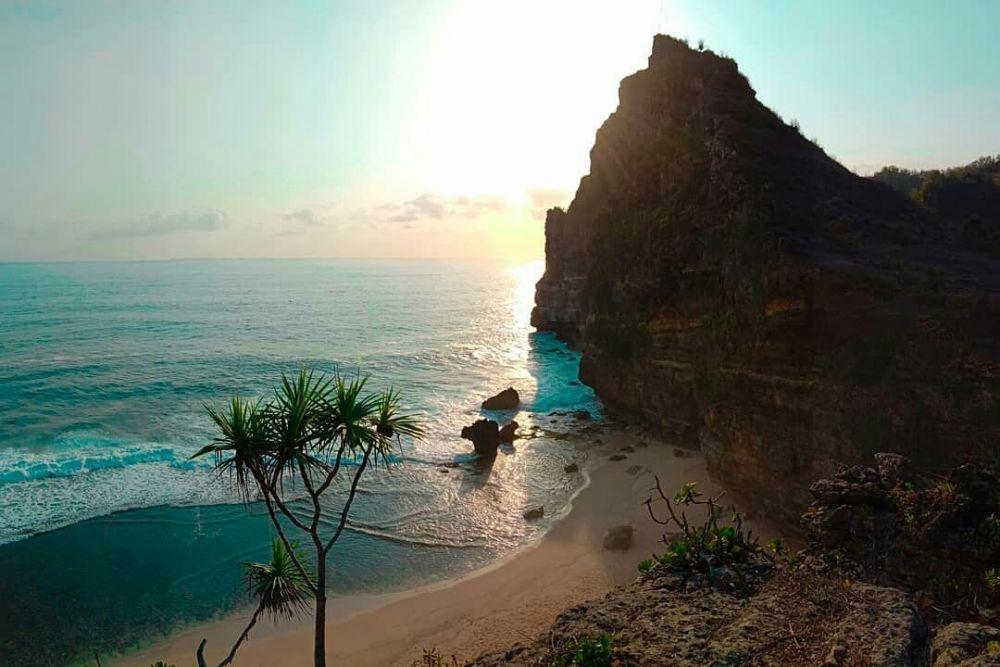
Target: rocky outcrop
x=534, y=514
x=508, y=432
x=887, y=546
x=507, y=399
x=619, y=538
x=485, y=437
x=664, y=619
x=732, y=283
x=966, y=645
x=937, y=537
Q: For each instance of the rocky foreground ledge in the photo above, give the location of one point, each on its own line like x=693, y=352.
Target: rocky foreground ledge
x=824, y=605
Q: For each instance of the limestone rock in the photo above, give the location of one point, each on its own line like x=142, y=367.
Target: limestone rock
x=966, y=645
x=507, y=399
x=664, y=620
x=619, y=538
x=726, y=278
x=534, y=514
x=485, y=436
x=889, y=527
x=508, y=432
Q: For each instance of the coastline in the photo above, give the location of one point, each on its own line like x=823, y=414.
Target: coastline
x=490, y=608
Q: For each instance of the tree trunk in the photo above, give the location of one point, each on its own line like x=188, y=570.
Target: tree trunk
x=319, y=652
x=243, y=637
x=320, y=647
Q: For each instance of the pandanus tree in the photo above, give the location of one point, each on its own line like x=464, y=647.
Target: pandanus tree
x=296, y=444
x=277, y=585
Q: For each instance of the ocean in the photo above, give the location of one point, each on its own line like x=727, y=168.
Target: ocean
x=111, y=536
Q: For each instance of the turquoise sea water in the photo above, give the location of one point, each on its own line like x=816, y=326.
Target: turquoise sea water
x=109, y=535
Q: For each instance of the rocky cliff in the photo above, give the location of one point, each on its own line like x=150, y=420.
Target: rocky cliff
x=731, y=282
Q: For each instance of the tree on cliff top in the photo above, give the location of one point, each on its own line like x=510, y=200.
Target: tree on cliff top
x=306, y=434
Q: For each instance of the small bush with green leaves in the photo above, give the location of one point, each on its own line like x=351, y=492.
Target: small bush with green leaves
x=722, y=550
x=992, y=579
x=593, y=652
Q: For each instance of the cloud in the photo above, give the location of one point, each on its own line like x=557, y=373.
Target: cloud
x=426, y=205
x=430, y=206
x=303, y=220
x=306, y=217
x=157, y=224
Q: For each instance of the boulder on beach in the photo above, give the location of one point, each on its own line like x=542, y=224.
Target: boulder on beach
x=533, y=514
x=619, y=538
x=505, y=400
x=485, y=436
x=572, y=467
x=508, y=432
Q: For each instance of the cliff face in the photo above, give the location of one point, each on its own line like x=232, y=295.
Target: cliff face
x=727, y=279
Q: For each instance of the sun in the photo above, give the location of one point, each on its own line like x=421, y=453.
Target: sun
x=516, y=91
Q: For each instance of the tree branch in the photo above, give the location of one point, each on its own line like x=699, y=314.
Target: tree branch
x=350, y=498
x=288, y=545
x=333, y=473
x=243, y=636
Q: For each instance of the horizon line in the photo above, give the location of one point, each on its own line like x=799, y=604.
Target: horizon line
x=271, y=259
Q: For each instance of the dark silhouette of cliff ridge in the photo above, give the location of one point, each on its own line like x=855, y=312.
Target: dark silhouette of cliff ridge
x=727, y=279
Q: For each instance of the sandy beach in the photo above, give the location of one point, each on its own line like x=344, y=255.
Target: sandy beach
x=490, y=609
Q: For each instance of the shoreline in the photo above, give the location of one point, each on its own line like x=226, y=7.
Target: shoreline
x=493, y=607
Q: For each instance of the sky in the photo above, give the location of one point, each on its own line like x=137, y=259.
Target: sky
x=425, y=128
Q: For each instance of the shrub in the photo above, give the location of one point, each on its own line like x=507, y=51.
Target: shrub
x=992, y=579
x=725, y=552
x=591, y=652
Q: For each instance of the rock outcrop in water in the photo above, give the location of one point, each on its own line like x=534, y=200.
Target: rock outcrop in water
x=507, y=399
x=728, y=280
x=508, y=432
x=485, y=436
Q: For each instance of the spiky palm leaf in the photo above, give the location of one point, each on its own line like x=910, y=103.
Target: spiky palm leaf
x=390, y=423
x=297, y=419
x=241, y=449
x=348, y=415
x=278, y=586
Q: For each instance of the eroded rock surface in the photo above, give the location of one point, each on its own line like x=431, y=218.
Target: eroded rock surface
x=966, y=645
x=726, y=278
x=507, y=399
x=508, y=432
x=485, y=436
x=794, y=619
x=936, y=537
